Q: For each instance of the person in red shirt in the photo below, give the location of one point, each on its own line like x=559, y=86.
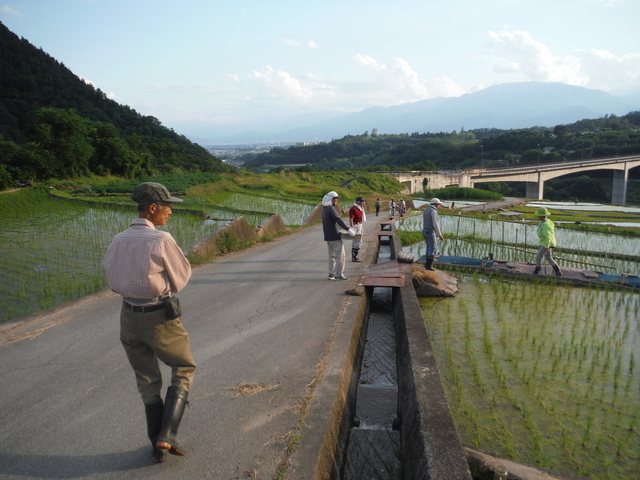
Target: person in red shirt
x=356, y=217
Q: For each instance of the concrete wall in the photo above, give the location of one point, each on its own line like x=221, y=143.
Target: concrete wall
x=208, y=247
x=242, y=230
x=273, y=226
x=429, y=437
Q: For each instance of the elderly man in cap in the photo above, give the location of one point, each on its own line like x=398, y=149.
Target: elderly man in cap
x=356, y=217
x=147, y=267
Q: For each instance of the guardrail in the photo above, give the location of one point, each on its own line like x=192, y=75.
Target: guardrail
x=552, y=166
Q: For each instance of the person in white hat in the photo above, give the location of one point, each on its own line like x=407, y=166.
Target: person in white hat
x=547, y=237
x=431, y=230
x=330, y=223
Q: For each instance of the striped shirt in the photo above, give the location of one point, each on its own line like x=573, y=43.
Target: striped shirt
x=144, y=263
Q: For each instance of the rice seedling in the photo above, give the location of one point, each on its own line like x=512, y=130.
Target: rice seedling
x=573, y=374
x=56, y=256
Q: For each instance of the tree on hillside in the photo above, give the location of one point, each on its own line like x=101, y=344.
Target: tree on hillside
x=65, y=136
x=112, y=154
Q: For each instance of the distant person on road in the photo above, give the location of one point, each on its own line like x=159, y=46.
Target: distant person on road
x=431, y=230
x=392, y=207
x=377, y=205
x=331, y=221
x=402, y=206
x=147, y=267
x=357, y=215
x=547, y=236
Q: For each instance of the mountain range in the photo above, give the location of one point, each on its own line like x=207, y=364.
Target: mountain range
x=503, y=106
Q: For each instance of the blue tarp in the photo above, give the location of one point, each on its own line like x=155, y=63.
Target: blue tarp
x=616, y=278
x=476, y=262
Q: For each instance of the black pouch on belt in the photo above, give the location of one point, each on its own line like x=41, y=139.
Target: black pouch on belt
x=172, y=308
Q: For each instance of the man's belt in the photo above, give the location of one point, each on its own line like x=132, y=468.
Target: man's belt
x=144, y=309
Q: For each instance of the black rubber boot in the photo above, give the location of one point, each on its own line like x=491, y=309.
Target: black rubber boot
x=558, y=272
x=174, y=406
x=428, y=265
x=354, y=255
x=536, y=270
x=153, y=412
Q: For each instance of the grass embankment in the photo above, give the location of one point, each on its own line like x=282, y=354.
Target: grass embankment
x=299, y=186
x=215, y=188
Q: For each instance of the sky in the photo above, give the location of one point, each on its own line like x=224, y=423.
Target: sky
x=208, y=68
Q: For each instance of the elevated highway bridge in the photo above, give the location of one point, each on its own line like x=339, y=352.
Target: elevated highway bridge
x=533, y=175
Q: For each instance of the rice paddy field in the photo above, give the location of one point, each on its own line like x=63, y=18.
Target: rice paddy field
x=543, y=374
x=52, y=248
x=518, y=241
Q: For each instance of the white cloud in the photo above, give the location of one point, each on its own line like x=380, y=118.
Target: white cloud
x=290, y=42
x=444, y=87
x=518, y=53
x=396, y=82
x=280, y=85
x=607, y=71
x=232, y=77
x=391, y=83
x=10, y=10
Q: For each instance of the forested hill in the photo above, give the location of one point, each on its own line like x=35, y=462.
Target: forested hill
x=43, y=102
x=588, y=138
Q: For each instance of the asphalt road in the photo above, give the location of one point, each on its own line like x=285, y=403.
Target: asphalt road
x=69, y=407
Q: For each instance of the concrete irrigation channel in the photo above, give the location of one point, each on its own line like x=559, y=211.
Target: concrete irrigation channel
x=388, y=417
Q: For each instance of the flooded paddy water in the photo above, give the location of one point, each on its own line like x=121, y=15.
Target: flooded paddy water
x=543, y=374
x=52, y=248
x=518, y=241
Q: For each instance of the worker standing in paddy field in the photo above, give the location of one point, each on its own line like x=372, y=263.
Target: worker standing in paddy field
x=147, y=267
x=431, y=230
x=547, y=235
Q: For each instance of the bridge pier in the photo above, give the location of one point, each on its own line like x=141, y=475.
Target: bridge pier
x=619, y=190
x=534, y=190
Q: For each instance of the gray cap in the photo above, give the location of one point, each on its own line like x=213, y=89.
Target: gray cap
x=359, y=199
x=150, y=192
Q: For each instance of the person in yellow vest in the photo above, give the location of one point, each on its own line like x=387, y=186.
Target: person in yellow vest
x=547, y=239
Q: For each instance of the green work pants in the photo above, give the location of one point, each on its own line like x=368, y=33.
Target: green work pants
x=149, y=337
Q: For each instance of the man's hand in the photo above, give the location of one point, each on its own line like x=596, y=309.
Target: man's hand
x=352, y=233
x=441, y=237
